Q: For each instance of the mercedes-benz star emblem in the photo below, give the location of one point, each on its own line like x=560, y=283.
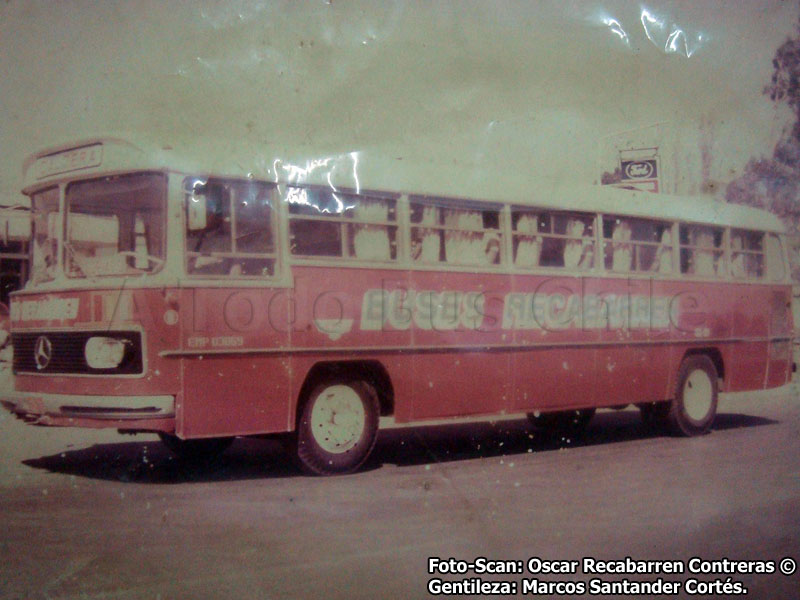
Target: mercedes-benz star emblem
x=42, y=352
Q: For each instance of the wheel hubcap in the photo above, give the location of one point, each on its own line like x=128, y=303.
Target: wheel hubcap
x=338, y=419
x=697, y=395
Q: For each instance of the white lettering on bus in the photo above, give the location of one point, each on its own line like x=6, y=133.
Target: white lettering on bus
x=398, y=309
x=227, y=341
x=555, y=311
x=223, y=341
x=447, y=310
x=47, y=309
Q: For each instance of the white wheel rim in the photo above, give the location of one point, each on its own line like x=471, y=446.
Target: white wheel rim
x=338, y=419
x=697, y=395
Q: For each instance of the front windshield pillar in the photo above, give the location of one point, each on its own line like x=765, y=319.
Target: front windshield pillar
x=47, y=224
x=175, y=224
x=60, y=225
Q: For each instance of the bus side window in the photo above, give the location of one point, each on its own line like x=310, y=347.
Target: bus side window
x=618, y=252
x=368, y=239
x=454, y=235
x=313, y=230
x=527, y=245
x=204, y=246
x=579, y=248
x=237, y=239
x=324, y=223
x=776, y=269
x=701, y=251
x=567, y=241
x=637, y=245
x=425, y=240
x=253, y=244
x=747, y=254
x=662, y=262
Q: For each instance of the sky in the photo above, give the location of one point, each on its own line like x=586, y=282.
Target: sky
x=486, y=90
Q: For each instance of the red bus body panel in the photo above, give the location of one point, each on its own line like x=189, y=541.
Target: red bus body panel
x=454, y=344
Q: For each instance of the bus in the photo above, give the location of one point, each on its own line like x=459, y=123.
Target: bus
x=318, y=305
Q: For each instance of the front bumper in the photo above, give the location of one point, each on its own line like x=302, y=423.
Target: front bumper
x=32, y=406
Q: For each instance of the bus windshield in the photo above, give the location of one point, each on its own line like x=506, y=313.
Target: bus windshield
x=115, y=225
x=44, y=208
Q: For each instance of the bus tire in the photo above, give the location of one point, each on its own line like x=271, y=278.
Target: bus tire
x=694, y=405
x=572, y=422
x=197, y=450
x=337, y=426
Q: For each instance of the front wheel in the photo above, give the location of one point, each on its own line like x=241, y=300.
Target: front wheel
x=694, y=407
x=337, y=427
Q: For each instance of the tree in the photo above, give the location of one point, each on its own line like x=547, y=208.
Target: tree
x=785, y=84
x=774, y=183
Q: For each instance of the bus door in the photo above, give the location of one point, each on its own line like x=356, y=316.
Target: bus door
x=236, y=368
x=237, y=337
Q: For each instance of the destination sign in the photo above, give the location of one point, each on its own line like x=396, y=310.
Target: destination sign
x=69, y=160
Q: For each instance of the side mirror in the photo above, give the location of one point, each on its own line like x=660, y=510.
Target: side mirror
x=196, y=212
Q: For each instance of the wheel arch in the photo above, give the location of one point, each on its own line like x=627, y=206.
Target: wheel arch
x=371, y=371
x=715, y=355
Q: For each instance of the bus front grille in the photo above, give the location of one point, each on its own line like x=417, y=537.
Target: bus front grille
x=63, y=353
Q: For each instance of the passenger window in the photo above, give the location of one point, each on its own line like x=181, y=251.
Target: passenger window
x=747, y=254
x=637, y=245
x=702, y=253
x=549, y=239
x=776, y=268
x=325, y=223
x=526, y=243
x=445, y=232
x=236, y=238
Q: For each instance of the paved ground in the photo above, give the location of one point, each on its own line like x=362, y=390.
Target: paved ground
x=98, y=515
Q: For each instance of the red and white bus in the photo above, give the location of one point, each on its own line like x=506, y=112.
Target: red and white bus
x=207, y=305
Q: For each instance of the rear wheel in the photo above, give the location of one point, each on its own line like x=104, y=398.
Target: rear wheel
x=199, y=450
x=337, y=427
x=694, y=406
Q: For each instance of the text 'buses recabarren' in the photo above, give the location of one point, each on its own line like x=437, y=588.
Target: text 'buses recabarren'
x=205, y=305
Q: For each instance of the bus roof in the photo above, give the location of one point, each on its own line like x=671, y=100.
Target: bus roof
x=365, y=172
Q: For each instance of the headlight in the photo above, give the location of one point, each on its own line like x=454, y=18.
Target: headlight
x=104, y=352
